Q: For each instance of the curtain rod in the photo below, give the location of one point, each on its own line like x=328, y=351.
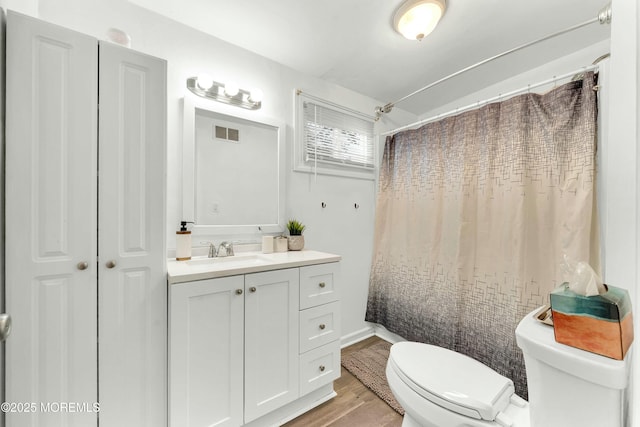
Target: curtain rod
x=604, y=17
x=490, y=100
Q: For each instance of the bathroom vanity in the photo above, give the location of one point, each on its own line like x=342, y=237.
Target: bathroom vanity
x=253, y=338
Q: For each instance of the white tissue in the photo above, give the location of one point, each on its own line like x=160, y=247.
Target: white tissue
x=585, y=281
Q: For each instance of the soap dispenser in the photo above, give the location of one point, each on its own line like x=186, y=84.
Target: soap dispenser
x=183, y=242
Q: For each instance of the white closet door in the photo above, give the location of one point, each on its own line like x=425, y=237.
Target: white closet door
x=2, y=73
x=132, y=267
x=50, y=221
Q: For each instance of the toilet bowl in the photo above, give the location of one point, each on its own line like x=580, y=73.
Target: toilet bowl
x=567, y=386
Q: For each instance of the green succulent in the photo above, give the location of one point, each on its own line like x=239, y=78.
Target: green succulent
x=295, y=227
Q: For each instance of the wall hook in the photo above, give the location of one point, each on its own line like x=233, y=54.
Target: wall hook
x=324, y=205
x=355, y=205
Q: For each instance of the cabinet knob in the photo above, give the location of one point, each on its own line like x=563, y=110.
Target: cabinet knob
x=82, y=265
x=110, y=264
x=321, y=367
x=239, y=291
x=252, y=289
x=322, y=284
x=322, y=326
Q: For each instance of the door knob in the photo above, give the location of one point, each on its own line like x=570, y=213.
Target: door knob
x=5, y=326
x=110, y=264
x=82, y=265
x=239, y=291
x=253, y=289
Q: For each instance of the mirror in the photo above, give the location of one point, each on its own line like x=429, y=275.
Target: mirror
x=233, y=171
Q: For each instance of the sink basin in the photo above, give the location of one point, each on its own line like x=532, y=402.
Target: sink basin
x=235, y=261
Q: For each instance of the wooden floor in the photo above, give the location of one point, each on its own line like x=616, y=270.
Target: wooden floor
x=354, y=406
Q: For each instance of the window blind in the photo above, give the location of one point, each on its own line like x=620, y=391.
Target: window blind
x=337, y=137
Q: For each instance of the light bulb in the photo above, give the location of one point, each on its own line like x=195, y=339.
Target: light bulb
x=205, y=81
x=231, y=89
x=256, y=96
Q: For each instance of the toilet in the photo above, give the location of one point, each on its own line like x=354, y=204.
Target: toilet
x=567, y=386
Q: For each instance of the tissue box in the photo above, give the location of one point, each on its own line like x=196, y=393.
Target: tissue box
x=601, y=324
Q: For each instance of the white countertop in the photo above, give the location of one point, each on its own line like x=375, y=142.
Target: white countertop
x=200, y=268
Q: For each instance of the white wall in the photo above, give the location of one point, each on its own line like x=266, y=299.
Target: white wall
x=339, y=228
x=559, y=67
x=622, y=203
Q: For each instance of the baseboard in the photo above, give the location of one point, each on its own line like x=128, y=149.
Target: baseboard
x=387, y=335
x=296, y=408
x=356, y=336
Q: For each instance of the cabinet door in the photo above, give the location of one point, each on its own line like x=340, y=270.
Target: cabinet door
x=132, y=288
x=50, y=256
x=271, y=341
x=206, y=343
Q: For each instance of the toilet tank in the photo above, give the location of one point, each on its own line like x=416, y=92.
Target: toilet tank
x=568, y=386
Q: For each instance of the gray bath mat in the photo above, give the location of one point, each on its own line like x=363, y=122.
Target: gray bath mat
x=368, y=365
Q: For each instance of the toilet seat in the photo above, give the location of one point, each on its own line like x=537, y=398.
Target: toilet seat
x=451, y=380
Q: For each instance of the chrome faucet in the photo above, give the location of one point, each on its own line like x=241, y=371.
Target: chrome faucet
x=212, y=249
x=227, y=247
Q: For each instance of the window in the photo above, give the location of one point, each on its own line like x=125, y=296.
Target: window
x=333, y=140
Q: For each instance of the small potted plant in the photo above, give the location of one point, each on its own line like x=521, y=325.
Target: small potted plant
x=296, y=239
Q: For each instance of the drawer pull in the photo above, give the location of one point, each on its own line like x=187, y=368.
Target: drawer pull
x=239, y=291
x=252, y=289
x=82, y=265
x=322, y=326
x=322, y=284
x=321, y=368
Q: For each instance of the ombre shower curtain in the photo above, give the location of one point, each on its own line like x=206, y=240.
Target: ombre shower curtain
x=475, y=214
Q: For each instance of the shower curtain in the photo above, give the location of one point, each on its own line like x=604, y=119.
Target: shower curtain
x=475, y=216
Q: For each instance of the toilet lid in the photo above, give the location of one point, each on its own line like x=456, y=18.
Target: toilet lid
x=451, y=380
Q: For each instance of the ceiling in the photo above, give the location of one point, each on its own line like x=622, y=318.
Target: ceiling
x=352, y=42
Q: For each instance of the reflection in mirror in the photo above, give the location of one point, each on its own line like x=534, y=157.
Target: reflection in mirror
x=233, y=173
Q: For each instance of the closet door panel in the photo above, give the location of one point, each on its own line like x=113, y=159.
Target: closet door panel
x=132, y=268
x=51, y=148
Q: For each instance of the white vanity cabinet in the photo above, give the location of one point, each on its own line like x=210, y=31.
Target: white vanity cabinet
x=271, y=341
x=319, y=326
x=235, y=346
x=207, y=347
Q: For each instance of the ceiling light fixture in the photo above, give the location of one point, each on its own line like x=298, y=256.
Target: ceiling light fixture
x=206, y=87
x=415, y=19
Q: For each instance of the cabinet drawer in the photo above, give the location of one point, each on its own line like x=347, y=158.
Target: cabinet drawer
x=319, y=326
x=319, y=366
x=318, y=284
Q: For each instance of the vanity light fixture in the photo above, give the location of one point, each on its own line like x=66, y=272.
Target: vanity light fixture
x=229, y=93
x=415, y=19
